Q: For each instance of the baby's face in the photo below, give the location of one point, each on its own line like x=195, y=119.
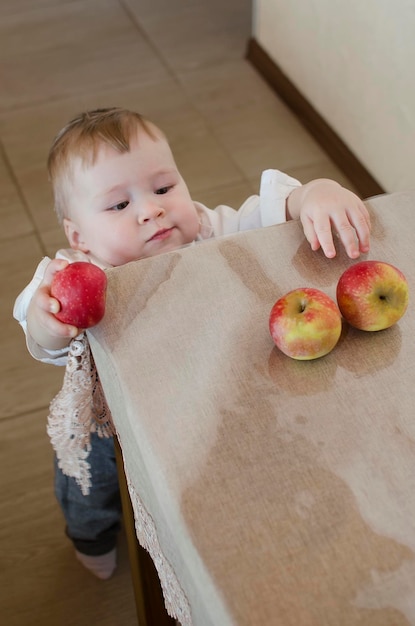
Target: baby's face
x=132, y=205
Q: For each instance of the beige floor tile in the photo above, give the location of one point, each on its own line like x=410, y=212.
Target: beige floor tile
x=73, y=48
x=14, y=218
x=37, y=192
x=42, y=584
x=234, y=88
x=218, y=91
x=53, y=240
x=321, y=169
x=203, y=162
x=13, y=7
x=196, y=35
x=28, y=133
x=171, y=8
x=266, y=139
x=249, y=120
x=24, y=383
x=231, y=195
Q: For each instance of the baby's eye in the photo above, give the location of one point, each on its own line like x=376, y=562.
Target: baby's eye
x=163, y=190
x=120, y=206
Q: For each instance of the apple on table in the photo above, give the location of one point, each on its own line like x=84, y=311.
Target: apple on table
x=372, y=295
x=305, y=323
x=80, y=289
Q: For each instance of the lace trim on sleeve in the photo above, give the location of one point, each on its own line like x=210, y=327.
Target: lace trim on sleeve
x=76, y=411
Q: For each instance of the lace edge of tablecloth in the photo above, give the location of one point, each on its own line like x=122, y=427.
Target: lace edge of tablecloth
x=175, y=599
x=78, y=410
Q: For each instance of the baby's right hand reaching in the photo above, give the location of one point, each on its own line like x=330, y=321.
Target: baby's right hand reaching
x=42, y=324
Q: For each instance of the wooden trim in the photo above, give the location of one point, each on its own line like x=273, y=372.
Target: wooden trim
x=328, y=139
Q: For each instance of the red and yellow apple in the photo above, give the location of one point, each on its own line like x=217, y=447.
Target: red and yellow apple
x=80, y=289
x=305, y=324
x=372, y=295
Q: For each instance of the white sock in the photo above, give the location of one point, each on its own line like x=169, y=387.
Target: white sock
x=102, y=566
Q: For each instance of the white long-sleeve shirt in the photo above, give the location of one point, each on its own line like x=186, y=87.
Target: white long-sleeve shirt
x=267, y=209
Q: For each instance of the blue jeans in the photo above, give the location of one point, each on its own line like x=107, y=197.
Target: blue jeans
x=92, y=521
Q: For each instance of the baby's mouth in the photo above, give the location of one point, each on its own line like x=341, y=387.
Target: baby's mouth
x=161, y=234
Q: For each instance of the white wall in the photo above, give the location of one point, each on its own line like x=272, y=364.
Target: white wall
x=354, y=60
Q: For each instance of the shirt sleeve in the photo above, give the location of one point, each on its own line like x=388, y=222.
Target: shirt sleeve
x=267, y=209
x=274, y=191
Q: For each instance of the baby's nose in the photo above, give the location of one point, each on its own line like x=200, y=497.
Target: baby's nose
x=149, y=211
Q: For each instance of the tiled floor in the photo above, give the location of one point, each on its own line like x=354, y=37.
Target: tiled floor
x=182, y=64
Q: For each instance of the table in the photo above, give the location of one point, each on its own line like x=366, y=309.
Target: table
x=267, y=490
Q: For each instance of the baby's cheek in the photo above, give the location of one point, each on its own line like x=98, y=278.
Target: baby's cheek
x=192, y=226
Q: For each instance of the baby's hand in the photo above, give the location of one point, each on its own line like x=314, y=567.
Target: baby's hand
x=42, y=324
x=325, y=207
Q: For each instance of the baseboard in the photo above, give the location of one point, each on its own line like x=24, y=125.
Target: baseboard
x=331, y=143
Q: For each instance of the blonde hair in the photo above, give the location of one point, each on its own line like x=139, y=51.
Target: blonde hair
x=81, y=138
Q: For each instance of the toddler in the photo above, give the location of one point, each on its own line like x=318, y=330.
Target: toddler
x=120, y=197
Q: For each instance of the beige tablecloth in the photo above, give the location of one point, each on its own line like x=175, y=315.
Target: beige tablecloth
x=269, y=491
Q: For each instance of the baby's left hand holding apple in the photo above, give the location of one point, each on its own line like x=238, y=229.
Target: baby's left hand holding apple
x=325, y=208
x=43, y=326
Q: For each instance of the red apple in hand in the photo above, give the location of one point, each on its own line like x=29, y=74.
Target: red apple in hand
x=372, y=295
x=305, y=324
x=80, y=289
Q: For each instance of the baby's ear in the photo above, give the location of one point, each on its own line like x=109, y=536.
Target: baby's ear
x=73, y=235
